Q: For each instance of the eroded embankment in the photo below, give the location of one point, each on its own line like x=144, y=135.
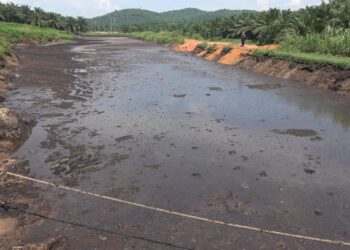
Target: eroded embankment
x=12, y=128
x=323, y=77
x=14, y=193
x=230, y=58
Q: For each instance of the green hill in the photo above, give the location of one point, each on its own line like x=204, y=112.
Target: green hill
x=126, y=17
x=142, y=17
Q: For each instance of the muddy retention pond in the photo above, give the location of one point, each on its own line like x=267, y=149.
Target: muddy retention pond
x=142, y=123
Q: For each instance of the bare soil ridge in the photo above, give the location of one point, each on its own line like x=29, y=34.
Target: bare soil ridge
x=323, y=77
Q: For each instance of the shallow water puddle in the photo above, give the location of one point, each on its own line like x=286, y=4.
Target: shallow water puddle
x=266, y=86
x=296, y=132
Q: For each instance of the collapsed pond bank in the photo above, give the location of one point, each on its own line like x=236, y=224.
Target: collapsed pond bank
x=13, y=129
x=324, y=77
x=16, y=195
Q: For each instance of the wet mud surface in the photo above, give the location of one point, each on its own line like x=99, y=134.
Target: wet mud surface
x=136, y=121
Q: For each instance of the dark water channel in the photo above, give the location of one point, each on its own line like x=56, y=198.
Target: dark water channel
x=139, y=122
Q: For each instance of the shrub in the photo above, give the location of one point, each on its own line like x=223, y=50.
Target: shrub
x=211, y=49
x=225, y=50
x=331, y=41
x=159, y=37
x=14, y=33
x=201, y=47
x=4, y=47
x=302, y=57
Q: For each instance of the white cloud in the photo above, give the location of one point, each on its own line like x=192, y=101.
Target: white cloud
x=295, y=3
x=263, y=4
x=107, y=5
x=86, y=8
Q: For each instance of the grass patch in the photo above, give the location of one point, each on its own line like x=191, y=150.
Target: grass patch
x=201, y=47
x=4, y=47
x=232, y=41
x=102, y=33
x=11, y=33
x=159, y=37
x=310, y=58
x=332, y=41
x=225, y=50
x=211, y=49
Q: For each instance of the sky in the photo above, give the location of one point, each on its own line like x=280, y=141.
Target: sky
x=92, y=8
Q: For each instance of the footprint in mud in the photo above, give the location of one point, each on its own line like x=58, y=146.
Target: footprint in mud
x=263, y=174
x=244, y=158
x=124, y=138
x=296, y=132
x=153, y=167
x=196, y=175
x=159, y=137
x=319, y=213
x=309, y=171
x=180, y=95
x=93, y=133
x=316, y=138
x=215, y=89
x=232, y=152
x=116, y=192
x=2, y=99
x=117, y=158
x=75, y=163
x=266, y=86
x=53, y=157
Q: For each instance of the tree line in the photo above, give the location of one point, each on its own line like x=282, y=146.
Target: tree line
x=10, y=12
x=265, y=27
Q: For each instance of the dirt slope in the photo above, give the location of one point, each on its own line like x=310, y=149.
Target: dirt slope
x=323, y=77
x=232, y=57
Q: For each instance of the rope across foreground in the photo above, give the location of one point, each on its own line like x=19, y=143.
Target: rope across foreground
x=183, y=215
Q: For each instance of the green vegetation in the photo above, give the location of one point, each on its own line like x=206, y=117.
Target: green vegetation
x=265, y=27
x=14, y=33
x=331, y=41
x=302, y=57
x=201, y=47
x=225, y=50
x=131, y=20
x=159, y=37
x=228, y=40
x=103, y=33
x=4, y=47
x=211, y=49
x=10, y=12
x=316, y=34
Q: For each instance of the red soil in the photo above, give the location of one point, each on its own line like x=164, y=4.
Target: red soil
x=231, y=58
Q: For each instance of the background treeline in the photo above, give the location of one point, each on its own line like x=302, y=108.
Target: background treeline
x=10, y=12
x=327, y=21
x=139, y=19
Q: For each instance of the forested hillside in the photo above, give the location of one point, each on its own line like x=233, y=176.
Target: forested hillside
x=326, y=25
x=137, y=19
